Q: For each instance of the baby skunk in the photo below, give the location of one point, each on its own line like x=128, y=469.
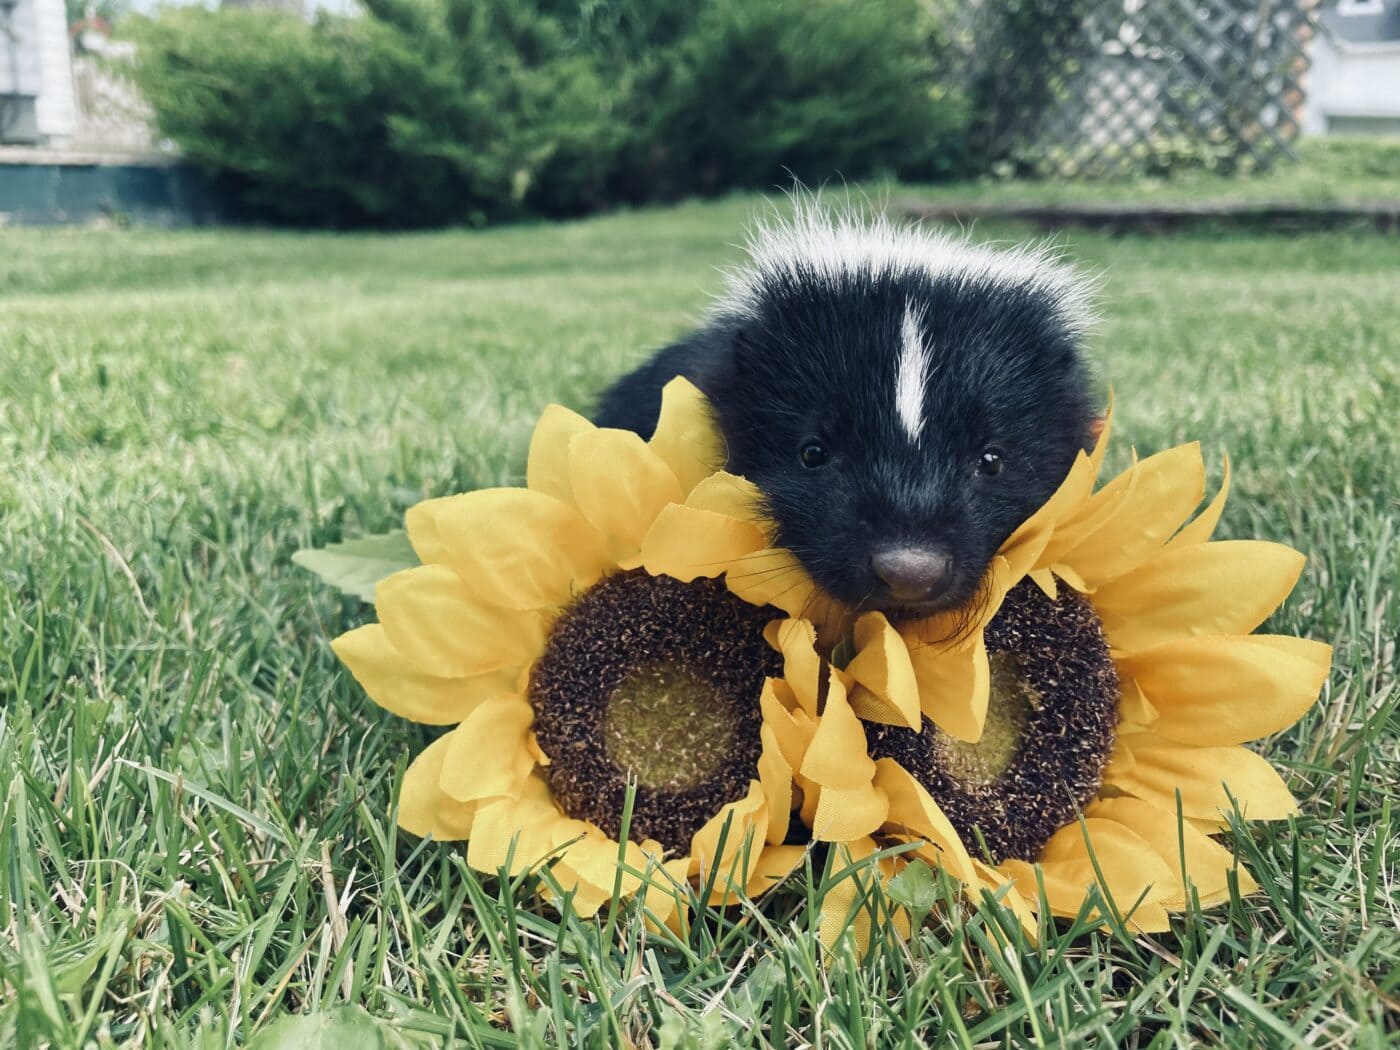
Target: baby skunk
x=902, y=399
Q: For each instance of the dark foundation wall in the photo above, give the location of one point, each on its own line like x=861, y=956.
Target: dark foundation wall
x=47, y=194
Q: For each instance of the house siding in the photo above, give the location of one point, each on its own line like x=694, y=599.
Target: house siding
x=19, y=60
x=39, y=65
x=1353, y=87
x=54, y=110
x=1354, y=84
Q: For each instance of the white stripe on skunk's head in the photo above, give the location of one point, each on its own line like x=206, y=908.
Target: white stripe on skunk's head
x=820, y=246
x=913, y=372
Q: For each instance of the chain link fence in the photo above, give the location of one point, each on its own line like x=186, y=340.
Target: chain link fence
x=1102, y=88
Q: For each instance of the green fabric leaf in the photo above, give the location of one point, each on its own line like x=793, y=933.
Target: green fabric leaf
x=357, y=565
x=915, y=889
x=844, y=652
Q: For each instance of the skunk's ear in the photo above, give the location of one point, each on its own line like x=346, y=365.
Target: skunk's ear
x=1096, y=427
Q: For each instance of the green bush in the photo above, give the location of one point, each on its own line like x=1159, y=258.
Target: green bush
x=424, y=112
x=418, y=113
x=757, y=91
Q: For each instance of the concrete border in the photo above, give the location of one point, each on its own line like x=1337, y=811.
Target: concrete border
x=1130, y=217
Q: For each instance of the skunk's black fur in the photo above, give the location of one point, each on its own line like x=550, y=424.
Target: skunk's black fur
x=906, y=356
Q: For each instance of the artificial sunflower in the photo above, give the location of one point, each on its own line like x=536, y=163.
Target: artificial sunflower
x=569, y=668
x=1122, y=681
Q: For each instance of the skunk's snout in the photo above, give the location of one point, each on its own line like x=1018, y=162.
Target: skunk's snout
x=913, y=574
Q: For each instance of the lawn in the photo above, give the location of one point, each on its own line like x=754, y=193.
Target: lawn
x=194, y=822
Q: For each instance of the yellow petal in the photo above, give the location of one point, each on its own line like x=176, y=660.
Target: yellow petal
x=871, y=708
x=1071, y=577
x=843, y=906
x=524, y=830
x=421, y=525
x=1161, y=492
x=589, y=868
x=1207, y=777
x=954, y=685
x=802, y=667
x=432, y=621
x=1134, y=709
x=730, y=495
x=516, y=548
x=1027, y=546
x=913, y=811
x=853, y=906
x=1132, y=872
x=547, y=468
x=1003, y=890
x=686, y=436
x=594, y=859
x=1181, y=846
x=665, y=897
x=620, y=486
x=685, y=542
x=775, y=775
x=1070, y=517
x=1231, y=689
x=396, y=685
x=791, y=728
x=1228, y=587
x=772, y=576
x=844, y=814
x=882, y=665
x=490, y=755
x=1080, y=522
x=807, y=794
x=1201, y=529
x=1246, y=885
x=1045, y=580
x=727, y=844
x=587, y=899
x=836, y=757
x=423, y=808
x=774, y=865
x=1209, y=827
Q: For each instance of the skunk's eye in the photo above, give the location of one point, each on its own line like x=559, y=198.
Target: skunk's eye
x=814, y=455
x=991, y=461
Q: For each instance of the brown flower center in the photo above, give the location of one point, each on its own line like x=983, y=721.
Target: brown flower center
x=1050, y=728
x=657, y=680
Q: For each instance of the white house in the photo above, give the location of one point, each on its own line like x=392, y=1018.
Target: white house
x=36, y=73
x=1354, y=85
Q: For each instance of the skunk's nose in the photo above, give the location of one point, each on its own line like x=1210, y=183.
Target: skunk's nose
x=912, y=574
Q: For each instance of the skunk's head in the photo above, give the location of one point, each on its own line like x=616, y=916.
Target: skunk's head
x=902, y=399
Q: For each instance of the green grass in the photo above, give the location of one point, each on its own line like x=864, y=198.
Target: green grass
x=1327, y=171
x=194, y=822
